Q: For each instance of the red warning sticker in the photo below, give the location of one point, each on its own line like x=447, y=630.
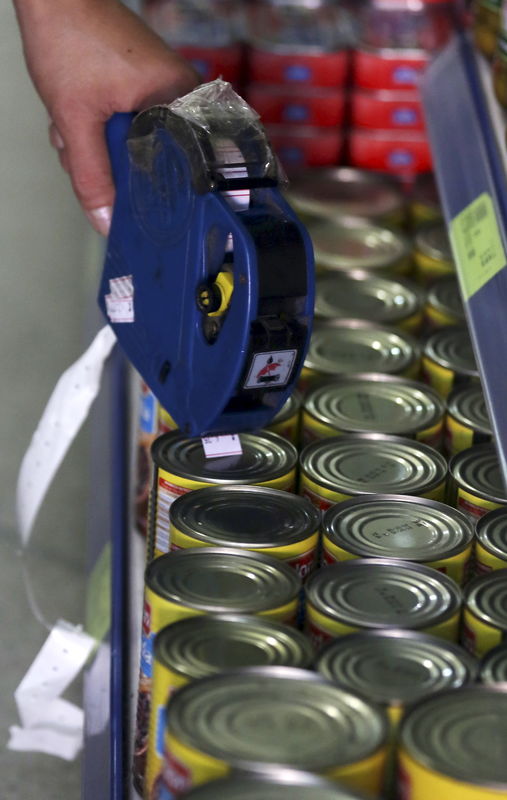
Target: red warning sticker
x=270, y=369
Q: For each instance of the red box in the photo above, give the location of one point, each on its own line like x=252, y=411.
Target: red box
x=287, y=105
x=386, y=110
x=215, y=62
x=306, y=146
x=388, y=69
x=299, y=68
x=389, y=151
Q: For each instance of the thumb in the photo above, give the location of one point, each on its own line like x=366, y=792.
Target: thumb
x=90, y=172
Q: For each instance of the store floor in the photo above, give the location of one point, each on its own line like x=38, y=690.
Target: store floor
x=47, y=284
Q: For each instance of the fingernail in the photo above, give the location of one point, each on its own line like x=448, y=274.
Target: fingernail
x=100, y=218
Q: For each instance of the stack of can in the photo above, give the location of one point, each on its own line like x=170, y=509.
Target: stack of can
x=396, y=42
x=207, y=34
x=297, y=71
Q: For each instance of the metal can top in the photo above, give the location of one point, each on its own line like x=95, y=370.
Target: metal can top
x=207, y=644
x=467, y=405
x=357, y=245
x=265, y=456
x=223, y=580
x=355, y=346
x=461, y=733
x=433, y=240
x=245, y=516
x=444, y=295
x=493, y=667
x=375, y=402
x=452, y=348
x=383, y=593
x=486, y=598
x=373, y=464
x=276, y=715
x=395, y=667
x=281, y=783
x=361, y=295
x=477, y=470
x=491, y=532
x=337, y=192
x=412, y=528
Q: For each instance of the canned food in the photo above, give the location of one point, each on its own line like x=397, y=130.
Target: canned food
x=341, y=347
x=467, y=420
x=424, y=206
x=377, y=593
x=395, y=668
x=212, y=581
x=272, y=716
x=289, y=105
x=485, y=612
x=451, y=745
x=493, y=667
x=342, y=192
x=486, y=25
x=306, y=145
x=373, y=403
x=198, y=646
x=433, y=253
x=491, y=541
x=475, y=483
x=444, y=306
x=388, y=68
x=280, y=524
x=277, y=784
x=407, y=528
x=147, y=431
x=356, y=244
x=448, y=360
x=286, y=422
x=361, y=295
x=341, y=467
x=386, y=109
x=181, y=465
x=401, y=153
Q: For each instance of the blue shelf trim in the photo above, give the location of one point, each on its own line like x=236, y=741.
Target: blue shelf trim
x=468, y=162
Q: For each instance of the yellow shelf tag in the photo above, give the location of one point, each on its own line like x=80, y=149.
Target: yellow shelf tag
x=477, y=245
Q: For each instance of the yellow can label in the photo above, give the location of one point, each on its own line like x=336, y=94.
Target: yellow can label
x=439, y=378
x=458, y=437
x=417, y=782
x=164, y=683
x=474, y=507
x=186, y=767
x=486, y=562
x=300, y=555
x=456, y=567
x=412, y=324
x=321, y=497
x=168, y=487
x=478, y=637
x=314, y=430
x=428, y=269
x=365, y=776
x=421, y=213
x=287, y=429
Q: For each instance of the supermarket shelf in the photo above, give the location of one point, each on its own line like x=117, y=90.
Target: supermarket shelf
x=467, y=135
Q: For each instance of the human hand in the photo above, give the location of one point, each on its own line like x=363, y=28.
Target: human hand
x=89, y=59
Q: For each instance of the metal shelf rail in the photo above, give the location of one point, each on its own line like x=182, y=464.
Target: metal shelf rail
x=467, y=136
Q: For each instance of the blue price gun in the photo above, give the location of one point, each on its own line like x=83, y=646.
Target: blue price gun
x=208, y=279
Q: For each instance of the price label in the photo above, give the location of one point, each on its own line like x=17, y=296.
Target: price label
x=218, y=446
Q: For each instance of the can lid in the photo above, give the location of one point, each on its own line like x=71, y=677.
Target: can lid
x=411, y=528
x=467, y=405
x=265, y=456
x=223, y=580
x=461, y=734
x=395, y=667
x=383, y=593
x=486, y=598
x=444, y=295
x=493, y=668
x=357, y=245
x=354, y=346
x=452, y=348
x=477, y=470
x=375, y=402
x=207, y=644
x=244, y=516
x=491, y=531
x=336, y=192
x=276, y=715
x=361, y=295
x=433, y=240
x=373, y=464
x=279, y=783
